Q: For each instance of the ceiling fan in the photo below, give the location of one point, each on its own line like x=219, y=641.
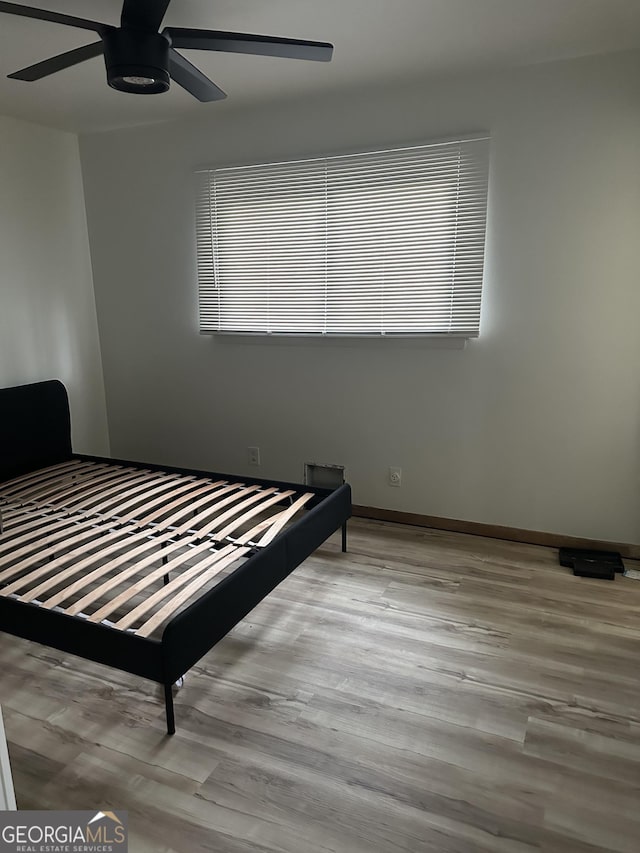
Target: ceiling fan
x=141, y=60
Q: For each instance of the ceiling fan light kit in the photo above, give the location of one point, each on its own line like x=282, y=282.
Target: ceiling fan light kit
x=141, y=60
x=136, y=61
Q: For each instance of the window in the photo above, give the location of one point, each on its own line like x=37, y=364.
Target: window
x=382, y=243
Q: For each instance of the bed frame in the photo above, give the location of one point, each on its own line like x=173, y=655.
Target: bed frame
x=140, y=567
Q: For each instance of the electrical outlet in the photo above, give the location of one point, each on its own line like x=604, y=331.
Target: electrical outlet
x=254, y=455
x=395, y=477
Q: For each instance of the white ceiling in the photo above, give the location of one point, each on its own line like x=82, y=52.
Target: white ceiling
x=376, y=42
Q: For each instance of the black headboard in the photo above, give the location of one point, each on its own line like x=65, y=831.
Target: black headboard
x=35, y=427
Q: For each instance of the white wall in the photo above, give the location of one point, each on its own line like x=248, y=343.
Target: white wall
x=536, y=424
x=48, y=325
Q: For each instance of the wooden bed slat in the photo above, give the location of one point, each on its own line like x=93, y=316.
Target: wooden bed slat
x=30, y=527
x=73, y=480
x=260, y=496
x=181, y=494
x=110, y=584
x=9, y=510
x=37, y=551
x=150, y=543
x=250, y=535
x=61, y=489
x=190, y=513
x=150, y=518
x=157, y=525
x=55, y=531
x=183, y=596
x=111, y=497
x=69, y=497
x=256, y=510
x=103, y=538
x=60, y=480
x=130, y=540
x=130, y=571
x=40, y=474
x=195, y=535
x=140, y=493
x=194, y=521
x=140, y=585
x=284, y=517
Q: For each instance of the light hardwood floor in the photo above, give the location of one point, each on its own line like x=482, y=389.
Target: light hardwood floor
x=428, y=691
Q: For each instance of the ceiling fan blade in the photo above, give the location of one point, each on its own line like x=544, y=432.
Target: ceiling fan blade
x=58, y=63
x=55, y=17
x=245, y=43
x=143, y=14
x=193, y=80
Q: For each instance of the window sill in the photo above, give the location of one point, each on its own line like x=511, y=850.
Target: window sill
x=358, y=341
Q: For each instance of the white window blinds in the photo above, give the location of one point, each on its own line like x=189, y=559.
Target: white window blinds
x=383, y=243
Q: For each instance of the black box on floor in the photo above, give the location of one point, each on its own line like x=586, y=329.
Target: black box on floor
x=569, y=556
x=591, y=569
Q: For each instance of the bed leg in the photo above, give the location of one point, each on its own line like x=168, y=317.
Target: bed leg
x=168, y=704
x=344, y=538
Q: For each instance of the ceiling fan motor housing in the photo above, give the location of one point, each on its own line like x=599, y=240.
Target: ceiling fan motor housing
x=136, y=61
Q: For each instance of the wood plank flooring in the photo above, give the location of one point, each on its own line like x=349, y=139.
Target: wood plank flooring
x=428, y=691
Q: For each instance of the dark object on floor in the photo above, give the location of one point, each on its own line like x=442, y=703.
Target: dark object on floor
x=592, y=569
x=588, y=563
x=568, y=556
